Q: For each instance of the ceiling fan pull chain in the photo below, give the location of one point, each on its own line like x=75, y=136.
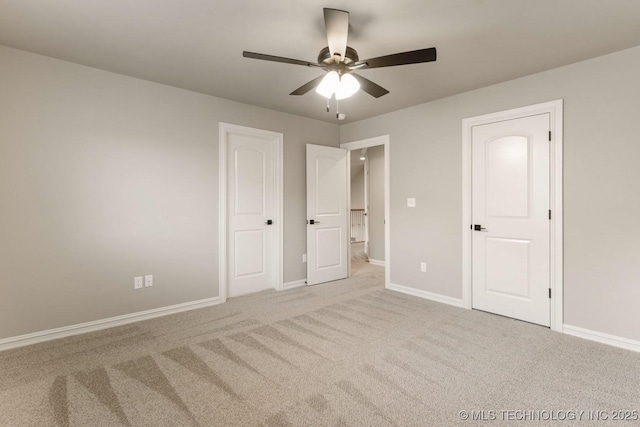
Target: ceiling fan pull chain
x=337, y=109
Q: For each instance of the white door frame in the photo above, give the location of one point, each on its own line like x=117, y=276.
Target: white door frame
x=278, y=229
x=356, y=145
x=554, y=108
x=366, y=202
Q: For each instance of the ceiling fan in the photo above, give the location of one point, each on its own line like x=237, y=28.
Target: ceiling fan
x=340, y=61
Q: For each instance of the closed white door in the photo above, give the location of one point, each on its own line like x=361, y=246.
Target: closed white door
x=327, y=217
x=510, y=214
x=251, y=212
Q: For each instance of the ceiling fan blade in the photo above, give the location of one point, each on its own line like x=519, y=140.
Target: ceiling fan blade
x=273, y=58
x=411, y=57
x=370, y=87
x=336, y=24
x=307, y=86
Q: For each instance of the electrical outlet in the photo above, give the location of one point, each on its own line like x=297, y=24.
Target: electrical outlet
x=411, y=202
x=137, y=282
x=304, y=257
x=423, y=267
x=148, y=280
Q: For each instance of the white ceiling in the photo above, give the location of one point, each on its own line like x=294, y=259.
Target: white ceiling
x=198, y=44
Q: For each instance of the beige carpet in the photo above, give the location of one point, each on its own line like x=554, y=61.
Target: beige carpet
x=347, y=353
x=358, y=254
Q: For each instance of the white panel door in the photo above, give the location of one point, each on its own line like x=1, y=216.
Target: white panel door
x=250, y=190
x=510, y=213
x=327, y=217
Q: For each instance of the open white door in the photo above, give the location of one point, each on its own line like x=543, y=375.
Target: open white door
x=327, y=216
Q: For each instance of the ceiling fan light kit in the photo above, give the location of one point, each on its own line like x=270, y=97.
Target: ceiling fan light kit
x=342, y=86
x=340, y=61
x=348, y=86
x=329, y=84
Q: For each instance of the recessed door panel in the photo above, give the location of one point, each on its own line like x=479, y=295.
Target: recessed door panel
x=249, y=253
x=328, y=179
x=250, y=181
x=508, y=177
x=328, y=247
x=508, y=267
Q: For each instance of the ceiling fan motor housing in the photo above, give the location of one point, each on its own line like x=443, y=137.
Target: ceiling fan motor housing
x=351, y=56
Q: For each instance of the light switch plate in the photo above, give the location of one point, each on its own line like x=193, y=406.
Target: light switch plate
x=148, y=280
x=137, y=282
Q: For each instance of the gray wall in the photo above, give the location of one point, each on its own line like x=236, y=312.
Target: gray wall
x=357, y=181
x=376, y=202
x=601, y=173
x=105, y=177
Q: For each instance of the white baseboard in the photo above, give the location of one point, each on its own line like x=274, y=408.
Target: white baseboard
x=96, y=325
x=377, y=262
x=601, y=337
x=294, y=284
x=426, y=295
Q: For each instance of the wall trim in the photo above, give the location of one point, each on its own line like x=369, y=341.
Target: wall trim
x=601, y=337
x=294, y=284
x=426, y=295
x=555, y=110
x=96, y=325
x=377, y=262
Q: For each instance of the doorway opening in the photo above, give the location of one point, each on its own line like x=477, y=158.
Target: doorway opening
x=368, y=199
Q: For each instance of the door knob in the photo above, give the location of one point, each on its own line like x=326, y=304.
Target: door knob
x=313, y=221
x=269, y=222
x=478, y=227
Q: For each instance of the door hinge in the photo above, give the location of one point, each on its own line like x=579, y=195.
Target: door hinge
x=549, y=292
x=549, y=213
x=549, y=135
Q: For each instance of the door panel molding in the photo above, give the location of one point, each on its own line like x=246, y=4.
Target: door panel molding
x=554, y=109
x=226, y=129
